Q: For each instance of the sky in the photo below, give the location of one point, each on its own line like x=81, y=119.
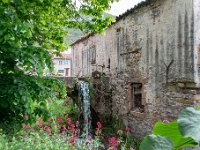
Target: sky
x=120, y=7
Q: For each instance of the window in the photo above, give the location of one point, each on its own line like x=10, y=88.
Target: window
x=60, y=71
x=67, y=62
x=137, y=94
x=135, y=97
x=93, y=55
x=60, y=62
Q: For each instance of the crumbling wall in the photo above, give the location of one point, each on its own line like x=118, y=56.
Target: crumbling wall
x=152, y=45
x=155, y=47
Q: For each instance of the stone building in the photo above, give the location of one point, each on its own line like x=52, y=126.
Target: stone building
x=151, y=56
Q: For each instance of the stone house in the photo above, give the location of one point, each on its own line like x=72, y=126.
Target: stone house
x=151, y=56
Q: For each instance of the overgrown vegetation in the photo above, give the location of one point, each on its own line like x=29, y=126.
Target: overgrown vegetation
x=30, y=33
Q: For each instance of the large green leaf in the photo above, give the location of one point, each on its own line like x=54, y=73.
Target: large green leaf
x=189, y=123
x=153, y=142
x=172, y=132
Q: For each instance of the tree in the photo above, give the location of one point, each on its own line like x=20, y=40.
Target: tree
x=31, y=31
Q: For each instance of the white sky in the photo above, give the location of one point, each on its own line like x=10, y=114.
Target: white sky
x=120, y=7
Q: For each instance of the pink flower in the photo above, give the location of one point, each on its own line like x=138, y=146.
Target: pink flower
x=101, y=137
x=120, y=132
x=78, y=131
x=26, y=127
x=64, y=128
x=72, y=128
x=87, y=142
x=128, y=130
x=41, y=121
x=59, y=120
x=69, y=121
x=73, y=139
x=39, y=126
x=113, y=143
x=48, y=130
x=166, y=121
x=99, y=125
x=25, y=117
x=90, y=138
x=77, y=123
x=46, y=127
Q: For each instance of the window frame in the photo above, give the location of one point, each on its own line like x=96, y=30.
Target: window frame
x=131, y=103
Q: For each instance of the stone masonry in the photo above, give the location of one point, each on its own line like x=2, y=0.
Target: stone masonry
x=151, y=54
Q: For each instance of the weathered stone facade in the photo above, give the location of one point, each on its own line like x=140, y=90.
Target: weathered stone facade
x=151, y=56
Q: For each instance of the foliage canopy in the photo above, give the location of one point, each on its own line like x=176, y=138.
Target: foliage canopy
x=31, y=32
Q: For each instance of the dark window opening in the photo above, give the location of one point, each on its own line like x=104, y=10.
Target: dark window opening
x=93, y=55
x=137, y=97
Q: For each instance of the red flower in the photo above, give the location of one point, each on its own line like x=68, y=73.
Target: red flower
x=59, y=120
x=41, y=121
x=113, y=143
x=46, y=127
x=120, y=132
x=90, y=138
x=77, y=123
x=101, y=137
x=64, y=128
x=72, y=128
x=78, y=131
x=73, y=139
x=69, y=121
x=87, y=142
x=39, y=126
x=48, y=130
x=25, y=117
x=99, y=125
x=128, y=130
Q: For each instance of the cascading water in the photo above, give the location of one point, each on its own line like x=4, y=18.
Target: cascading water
x=84, y=97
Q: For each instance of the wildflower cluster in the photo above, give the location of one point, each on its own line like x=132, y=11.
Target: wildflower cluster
x=69, y=133
x=120, y=142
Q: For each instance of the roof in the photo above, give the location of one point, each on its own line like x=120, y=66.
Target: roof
x=63, y=56
x=135, y=9
x=124, y=15
x=82, y=39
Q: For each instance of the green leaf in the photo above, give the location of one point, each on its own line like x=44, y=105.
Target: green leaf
x=189, y=123
x=153, y=142
x=3, y=104
x=172, y=132
x=5, y=1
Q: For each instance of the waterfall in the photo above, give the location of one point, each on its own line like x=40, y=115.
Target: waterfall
x=84, y=97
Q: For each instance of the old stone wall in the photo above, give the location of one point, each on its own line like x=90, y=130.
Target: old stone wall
x=151, y=55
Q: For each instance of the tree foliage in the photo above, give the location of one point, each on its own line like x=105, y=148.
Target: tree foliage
x=31, y=32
